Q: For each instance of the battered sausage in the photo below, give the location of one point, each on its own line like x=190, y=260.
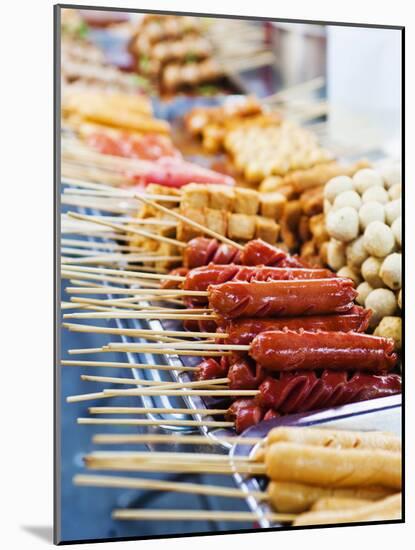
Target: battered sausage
x=290, y=497
x=327, y=467
x=343, y=439
x=387, y=509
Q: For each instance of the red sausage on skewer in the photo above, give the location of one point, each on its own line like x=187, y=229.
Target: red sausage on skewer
x=202, y=251
x=282, y=298
x=243, y=331
x=301, y=392
x=287, y=350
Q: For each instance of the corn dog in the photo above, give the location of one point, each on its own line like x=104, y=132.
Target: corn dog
x=386, y=509
x=323, y=466
x=342, y=439
x=336, y=503
x=294, y=498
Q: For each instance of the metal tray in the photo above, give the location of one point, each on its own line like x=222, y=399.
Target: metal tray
x=377, y=414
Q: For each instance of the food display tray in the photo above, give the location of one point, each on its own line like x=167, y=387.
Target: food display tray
x=383, y=414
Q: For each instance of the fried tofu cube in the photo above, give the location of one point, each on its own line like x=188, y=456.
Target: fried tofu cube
x=241, y=227
x=147, y=211
x=246, y=201
x=272, y=205
x=186, y=232
x=194, y=195
x=167, y=250
x=267, y=230
x=221, y=197
x=271, y=183
x=217, y=220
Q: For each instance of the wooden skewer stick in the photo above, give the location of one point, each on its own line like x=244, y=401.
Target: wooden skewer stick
x=120, y=365
x=177, y=393
x=108, y=278
x=130, y=274
x=78, y=244
x=172, y=457
x=157, y=392
x=163, y=485
x=167, y=385
x=115, y=258
x=190, y=222
x=132, y=302
x=160, y=292
x=133, y=230
x=154, y=410
x=148, y=422
x=128, y=464
x=121, y=439
x=142, y=332
x=139, y=315
x=192, y=353
x=119, y=303
x=126, y=192
x=190, y=345
x=197, y=515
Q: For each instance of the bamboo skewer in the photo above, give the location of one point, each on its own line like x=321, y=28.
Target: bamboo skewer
x=154, y=410
x=138, y=382
x=132, y=302
x=108, y=278
x=118, y=227
x=182, y=439
x=142, y=332
x=197, y=515
x=114, y=258
x=105, y=349
x=140, y=315
x=160, y=392
x=131, y=464
x=190, y=222
x=178, y=393
x=164, y=485
x=173, y=457
x=130, y=274
x=78, y=244
x=119, y=365
x=193, y=345
x=161, y=292
x=148, y=422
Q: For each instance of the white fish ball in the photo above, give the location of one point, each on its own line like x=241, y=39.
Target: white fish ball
x=363, y=291
x=382, y=302
x=356, y=253
x=347, y=198
x=370, y=272
x=336, y=254
x=391, y=174
x=350, y=273
x=397, y=230
x=375, y=194
x=363, y=179
x=391, y=271
x=393, y=210
x=395, y=192
x=371, y=212
x=343, y=224
x=337, y=185
x=378, y=239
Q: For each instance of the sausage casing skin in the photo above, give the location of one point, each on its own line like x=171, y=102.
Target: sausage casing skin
x=243, y=331
x=282, y=298
x=287, y=350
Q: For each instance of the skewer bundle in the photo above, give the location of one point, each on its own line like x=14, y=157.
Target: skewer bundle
x=315, y=476
x=294, y=323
